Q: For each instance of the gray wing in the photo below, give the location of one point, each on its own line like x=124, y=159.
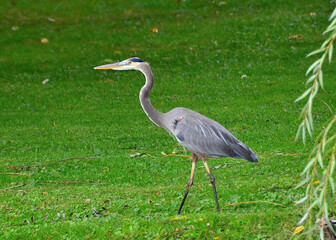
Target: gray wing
x=205, y=136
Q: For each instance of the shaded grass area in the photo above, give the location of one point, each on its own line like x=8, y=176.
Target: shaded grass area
x=80, y=132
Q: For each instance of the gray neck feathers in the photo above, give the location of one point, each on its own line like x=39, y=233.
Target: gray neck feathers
x=151, y=112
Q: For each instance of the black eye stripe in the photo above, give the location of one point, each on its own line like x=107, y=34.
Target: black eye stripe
x=135, y=60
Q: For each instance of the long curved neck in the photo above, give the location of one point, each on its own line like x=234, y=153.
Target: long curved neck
x=154, y=115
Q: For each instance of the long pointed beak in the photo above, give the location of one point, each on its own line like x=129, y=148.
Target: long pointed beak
x=115, y=66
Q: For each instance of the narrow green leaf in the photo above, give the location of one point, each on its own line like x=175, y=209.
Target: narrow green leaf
x=329, y=29
x=302, y=200
x=321, y=61
x=303, y=218
x=332, y=165
x=323, y=144
x=303, y=135
x=309, y=186
x=321, y=197
x=333, y=15
x=303, y=95
x=308, y=166
x=326, y=130
x=310, y=79
x=332, y=183
x=326, y=42
x=320, y=160
x=315, y=91
x=321, y=234
x=317, y=174
x=325, y=210
x=329, y=126
x=316, y=52
x=308, y=126
x=320, y=77
x=298, y=132
x=303, y=110
x=313, y=205
x=316, y=63
x=332, y=23
x=330, y=51
x=303, y=182
x=310, y=123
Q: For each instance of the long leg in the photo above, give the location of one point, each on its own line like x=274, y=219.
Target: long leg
x=212, y=180
x=190, y=183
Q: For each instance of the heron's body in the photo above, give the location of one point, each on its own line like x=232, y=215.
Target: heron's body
x=203, y=136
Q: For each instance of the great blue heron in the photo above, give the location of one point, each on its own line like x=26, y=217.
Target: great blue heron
x=203, y=136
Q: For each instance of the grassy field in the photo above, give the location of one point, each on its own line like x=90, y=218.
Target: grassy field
x=80, y=160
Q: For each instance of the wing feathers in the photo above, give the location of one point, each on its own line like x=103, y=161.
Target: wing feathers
x=207, y=137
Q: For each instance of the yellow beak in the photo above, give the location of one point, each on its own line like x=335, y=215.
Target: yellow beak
x=115, y=66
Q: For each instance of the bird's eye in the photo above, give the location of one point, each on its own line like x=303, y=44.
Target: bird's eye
x=129, y=63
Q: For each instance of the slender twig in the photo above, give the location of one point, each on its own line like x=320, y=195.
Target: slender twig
x=233, y=204
x=19, y=174
x=16, y=186
x=331, y=111
x=281, y=154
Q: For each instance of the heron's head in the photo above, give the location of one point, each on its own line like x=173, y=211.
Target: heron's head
x=128, y=64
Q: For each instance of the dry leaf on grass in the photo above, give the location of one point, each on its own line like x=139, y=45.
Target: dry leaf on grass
x=44, y=40
x=155, y=30
x=298, y=230
x=296, y=37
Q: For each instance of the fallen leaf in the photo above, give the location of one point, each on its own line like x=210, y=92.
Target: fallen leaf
x=135, y=155
x=157, y=192
x=316, y=182
x=44, y=40
x=15, y=28
x=155, y=30
x=180, y=217
x=295, y=37
x=298, y=230
x=44, y=193
x=51, y=19
x=312, y=13
x=117, y=52
x=45, y=81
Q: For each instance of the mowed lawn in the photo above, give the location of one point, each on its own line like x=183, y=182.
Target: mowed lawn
x=79, y=159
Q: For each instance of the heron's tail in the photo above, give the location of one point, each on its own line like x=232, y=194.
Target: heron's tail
x=243, y=151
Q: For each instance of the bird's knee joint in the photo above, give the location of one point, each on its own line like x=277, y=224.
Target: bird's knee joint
x=190, y=183
x=212, y=179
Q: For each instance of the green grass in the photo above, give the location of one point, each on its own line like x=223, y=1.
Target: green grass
x=198, y=57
